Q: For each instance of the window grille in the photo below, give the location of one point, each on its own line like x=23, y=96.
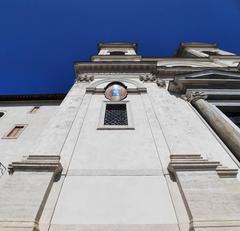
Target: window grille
x=116, y=114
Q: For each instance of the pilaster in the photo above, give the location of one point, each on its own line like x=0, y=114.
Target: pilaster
x=210, y=192
x=24, y=194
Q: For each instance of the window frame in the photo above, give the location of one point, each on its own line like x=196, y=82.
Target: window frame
x=34, y=110
x=4, y=114
x=6, y=136
x=102, y=126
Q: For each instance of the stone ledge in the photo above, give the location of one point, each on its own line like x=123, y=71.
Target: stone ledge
x=37, y=163
x=197, y=163
x=215, y=224
x=19, y=225
x=114, y=227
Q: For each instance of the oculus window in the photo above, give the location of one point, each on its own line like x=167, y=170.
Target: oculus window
x=115, y=91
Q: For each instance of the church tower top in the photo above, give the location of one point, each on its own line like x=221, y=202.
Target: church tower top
x=117, y=52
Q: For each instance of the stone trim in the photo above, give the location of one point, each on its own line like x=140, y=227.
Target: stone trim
x=211, y=202
x=197, y=163
x=37, y=163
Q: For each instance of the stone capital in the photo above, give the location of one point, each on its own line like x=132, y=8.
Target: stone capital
x=193, y=96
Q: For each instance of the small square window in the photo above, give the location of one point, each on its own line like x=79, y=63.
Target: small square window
x=115, y=115
x=15, y=132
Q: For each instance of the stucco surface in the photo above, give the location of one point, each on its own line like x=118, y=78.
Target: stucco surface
x=114, y=200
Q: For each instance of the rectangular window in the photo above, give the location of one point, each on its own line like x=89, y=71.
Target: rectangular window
x=115, y=116
x=34, y=109
x=15, y=132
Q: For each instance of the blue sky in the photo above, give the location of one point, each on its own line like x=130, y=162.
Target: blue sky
x=40, y=39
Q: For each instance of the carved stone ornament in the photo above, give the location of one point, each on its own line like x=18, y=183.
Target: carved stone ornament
x=193, y=96
x=147, y=78
x=85, y=78
x=154, y=79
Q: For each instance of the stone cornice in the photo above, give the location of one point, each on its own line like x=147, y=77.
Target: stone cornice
x=95, y=67
x=32, y=97
x=117, y=45
x=206, y=79
x=111, y=58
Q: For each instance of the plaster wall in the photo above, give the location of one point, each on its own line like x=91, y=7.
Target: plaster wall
x=115, y=177
x=18, y=113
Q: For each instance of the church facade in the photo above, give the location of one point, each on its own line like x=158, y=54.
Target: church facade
x=137, y=143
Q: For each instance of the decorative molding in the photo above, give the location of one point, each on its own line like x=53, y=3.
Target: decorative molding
x=38, y=163
x=101, y=67
x=92, y=88
x=196, y=162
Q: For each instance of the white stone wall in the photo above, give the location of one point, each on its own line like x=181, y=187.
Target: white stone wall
x=119, y=178
x=18, y=113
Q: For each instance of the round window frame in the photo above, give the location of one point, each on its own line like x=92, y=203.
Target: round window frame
x=109, y=97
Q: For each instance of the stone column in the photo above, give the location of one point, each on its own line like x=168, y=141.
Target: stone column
x=229, y=135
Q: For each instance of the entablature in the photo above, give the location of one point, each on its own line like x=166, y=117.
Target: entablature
x=205, y=80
